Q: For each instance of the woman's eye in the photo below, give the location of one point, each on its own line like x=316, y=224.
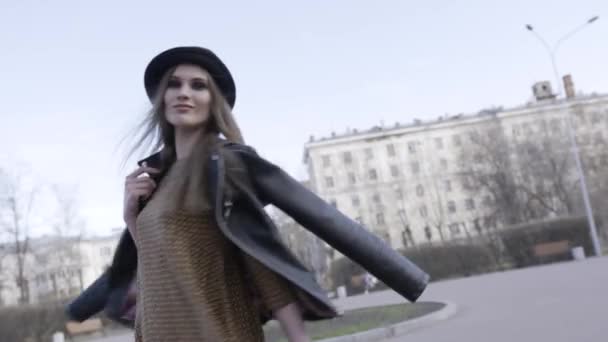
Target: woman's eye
x=174, y=84
x=199, y=85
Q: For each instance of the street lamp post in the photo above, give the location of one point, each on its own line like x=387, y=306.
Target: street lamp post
x=575, y=150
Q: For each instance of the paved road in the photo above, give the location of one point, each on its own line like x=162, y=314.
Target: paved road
x=557, y=303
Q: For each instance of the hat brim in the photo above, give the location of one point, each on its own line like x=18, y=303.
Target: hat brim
x=202, y=57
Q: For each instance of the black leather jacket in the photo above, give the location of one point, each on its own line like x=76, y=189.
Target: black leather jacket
x=246, y=223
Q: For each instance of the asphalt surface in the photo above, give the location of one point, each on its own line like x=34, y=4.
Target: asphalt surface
x=557, y=303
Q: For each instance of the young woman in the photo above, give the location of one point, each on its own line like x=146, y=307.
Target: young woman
x=206, y=259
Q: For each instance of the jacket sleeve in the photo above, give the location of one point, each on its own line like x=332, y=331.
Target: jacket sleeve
x=91, y=301
x=108, y=292
x=275, y=186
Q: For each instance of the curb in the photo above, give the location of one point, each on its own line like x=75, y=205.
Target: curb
x=398, y=329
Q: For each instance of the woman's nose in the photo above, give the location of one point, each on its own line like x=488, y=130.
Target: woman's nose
x=184, y=93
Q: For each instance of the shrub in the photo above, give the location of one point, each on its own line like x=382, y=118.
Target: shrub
x=520, y=240
x=452, y=259
x=32, y=323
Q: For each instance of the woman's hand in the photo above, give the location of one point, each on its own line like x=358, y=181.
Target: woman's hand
x=290, y=318
x=138, y=185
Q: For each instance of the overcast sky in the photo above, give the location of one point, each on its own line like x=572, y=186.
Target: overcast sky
x=72, y=72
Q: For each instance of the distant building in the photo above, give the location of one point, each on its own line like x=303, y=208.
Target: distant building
x=404, y=182
x=56, y=268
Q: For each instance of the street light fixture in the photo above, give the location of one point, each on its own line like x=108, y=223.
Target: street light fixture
x=575, y=151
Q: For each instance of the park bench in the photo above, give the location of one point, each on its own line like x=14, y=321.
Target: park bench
x=90, y=326
x=547, y=249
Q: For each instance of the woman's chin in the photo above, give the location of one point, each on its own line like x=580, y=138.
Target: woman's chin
x=186, y=123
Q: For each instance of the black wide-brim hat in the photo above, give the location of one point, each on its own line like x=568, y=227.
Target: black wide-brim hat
x=202, y=57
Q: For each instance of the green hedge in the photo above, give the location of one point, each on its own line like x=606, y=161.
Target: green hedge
x=450, y=260
x=519, y=241
x=341, y=271
x=32, y=323
x=505, y=248
x=441, y=261
x=38, y=323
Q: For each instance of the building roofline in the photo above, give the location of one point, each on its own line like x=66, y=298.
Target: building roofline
x=459, y=119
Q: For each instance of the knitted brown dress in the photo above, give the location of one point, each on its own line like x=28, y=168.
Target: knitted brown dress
x=192, y=281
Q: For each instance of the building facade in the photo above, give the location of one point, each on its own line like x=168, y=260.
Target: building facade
x=408, y=183
x=56, y=268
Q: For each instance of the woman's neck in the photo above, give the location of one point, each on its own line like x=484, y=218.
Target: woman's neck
x=185, y=141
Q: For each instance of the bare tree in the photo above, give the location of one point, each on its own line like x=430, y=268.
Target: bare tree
x=69, y=231
x=547, y=172
x=486, y=165
x=3, y=280
x=16, y=203
x=438, y=217
x=525, y=178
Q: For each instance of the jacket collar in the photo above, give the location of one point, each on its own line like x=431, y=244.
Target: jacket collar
x=153, y=160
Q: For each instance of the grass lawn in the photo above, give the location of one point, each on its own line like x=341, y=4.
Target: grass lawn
x=357, y=320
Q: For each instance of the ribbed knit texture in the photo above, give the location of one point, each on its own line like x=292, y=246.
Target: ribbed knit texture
x=193, y=283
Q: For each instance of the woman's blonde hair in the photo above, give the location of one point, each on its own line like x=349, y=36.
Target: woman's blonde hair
x=160, y=133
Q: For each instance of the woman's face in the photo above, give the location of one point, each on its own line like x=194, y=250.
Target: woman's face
x=188, y=99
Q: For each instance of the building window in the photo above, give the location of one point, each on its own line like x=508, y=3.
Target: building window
x=419, y=190
x=526, y=128
x=542, y=125
x=380, y=218
x=376, y=198
x=399, y=193
x=469, y=203
x=105, y=251
x=596, y=117
x=581, y=120
x=584, y=139
x=489, y=222
x=356, y=201
x=411, y=146
x=334, y=203
x=348, y=157
x=329, y=182
x=390, y=149
x=369, y=154
x=373, y=175
x=428, y=233
x=474, y=136
x=454, y=228
x=352, y=180
x=590, y=163
x=402, y=215
x=415, y=168
x=457, y=140
x=444, y=164
x=423, y=211
x=477, y=158
x=439, y=143
x=487, y=201
x=598, y=138
x=451, y=207
x=448, y=186
x=326, y=161
x=516, y=130
x=466, y=183
x=395, y=171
